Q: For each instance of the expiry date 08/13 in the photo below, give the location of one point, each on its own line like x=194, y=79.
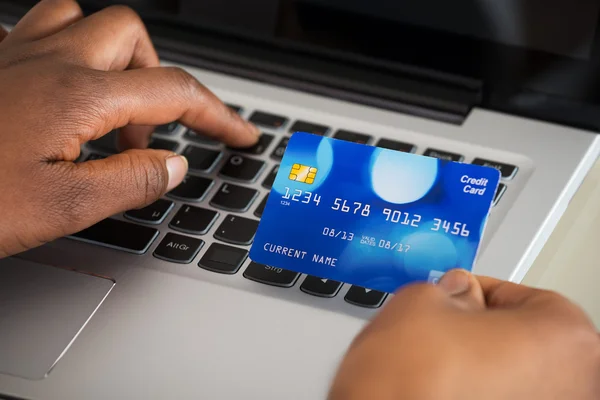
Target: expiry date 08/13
x=335, y=233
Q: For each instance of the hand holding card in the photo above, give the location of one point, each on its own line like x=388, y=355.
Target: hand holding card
x=372, y=217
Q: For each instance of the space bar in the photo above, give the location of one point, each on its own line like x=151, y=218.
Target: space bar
x=118, y=235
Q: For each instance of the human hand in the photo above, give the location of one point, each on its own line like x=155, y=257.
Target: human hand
x=473, y=338
x=66, y=80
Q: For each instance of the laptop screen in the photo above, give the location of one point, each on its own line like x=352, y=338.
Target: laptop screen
x=524, y=52
x=394, y=30
x=565, y=28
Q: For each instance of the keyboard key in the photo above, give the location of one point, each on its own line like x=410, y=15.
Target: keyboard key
x=277, y=154
x=320, y=287
x=193, y=188
x=303, y=126
x=167, y=129
x=234, y=197
x=352, y=137
x=200, y=138
x=263, y=143
x=365, y=297
x=271, y=275
x=261, y=207
x=178, y=249
x=507, y=171
x=237, y=230
x=268, y=120
x=194, y=220
x=201, y=159
x=106, y=143
x=394, y=145
x=155, y=213
x=443, y=155
x=119, y=235
x=499, y=193
x=163, y=144
x=223, y=259
x=242, y=168
x=95, y=156
x=235, y=108
x=270, y=179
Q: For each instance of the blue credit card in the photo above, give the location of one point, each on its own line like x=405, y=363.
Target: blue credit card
x=372, y=217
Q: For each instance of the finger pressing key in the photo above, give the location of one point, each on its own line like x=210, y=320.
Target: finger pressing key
x=81, y=78
x=155, y=96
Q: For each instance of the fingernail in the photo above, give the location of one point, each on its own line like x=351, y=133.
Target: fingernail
x=177, y=167
x=455, y=282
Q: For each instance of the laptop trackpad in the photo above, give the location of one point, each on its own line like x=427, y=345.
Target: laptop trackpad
x=42, y=309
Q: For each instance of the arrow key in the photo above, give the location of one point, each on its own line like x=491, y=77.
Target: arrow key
x=320, y=287
x=362, y=297
x=178, y=249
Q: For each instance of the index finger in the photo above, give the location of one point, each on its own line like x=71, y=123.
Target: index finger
x=542, y=303
x=160, y=95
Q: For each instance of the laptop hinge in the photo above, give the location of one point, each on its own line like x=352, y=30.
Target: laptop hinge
x=416, y=95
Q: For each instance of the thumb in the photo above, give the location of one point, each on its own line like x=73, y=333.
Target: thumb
x=464, y=289
x=504, y=294
x=121, y=182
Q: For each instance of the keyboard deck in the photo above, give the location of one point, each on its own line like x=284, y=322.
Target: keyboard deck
x=210, y=219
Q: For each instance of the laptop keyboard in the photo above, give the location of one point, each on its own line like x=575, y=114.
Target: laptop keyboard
x=232, y=186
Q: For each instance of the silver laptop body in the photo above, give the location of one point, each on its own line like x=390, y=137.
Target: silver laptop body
x=79, y=320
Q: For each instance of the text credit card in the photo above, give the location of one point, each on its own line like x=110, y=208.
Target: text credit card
x=372, y=217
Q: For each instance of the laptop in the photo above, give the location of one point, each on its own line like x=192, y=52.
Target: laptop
x=113, y=312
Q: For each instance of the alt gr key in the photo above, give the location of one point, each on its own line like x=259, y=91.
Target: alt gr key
x=178, y=248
